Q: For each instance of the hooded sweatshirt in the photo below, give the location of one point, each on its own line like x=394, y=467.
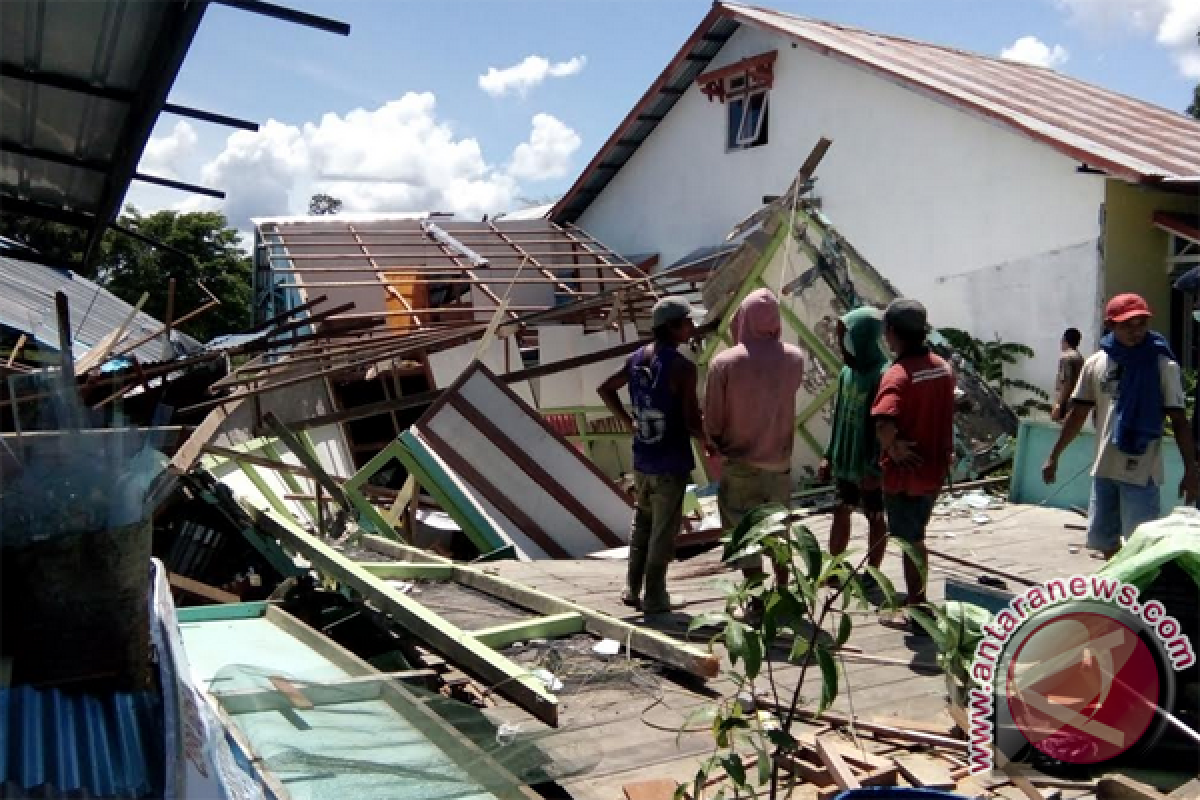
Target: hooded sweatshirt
x=750, y=397
x=853, y=449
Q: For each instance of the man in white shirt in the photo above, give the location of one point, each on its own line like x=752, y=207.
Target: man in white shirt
x=1132, y=382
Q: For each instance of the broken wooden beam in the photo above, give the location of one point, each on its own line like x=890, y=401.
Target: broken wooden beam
x=839, y=770
x=199, y=589
x=647, y=642
x=498, y=673
x=888, y=731
x=310, y=462
x=924, y=772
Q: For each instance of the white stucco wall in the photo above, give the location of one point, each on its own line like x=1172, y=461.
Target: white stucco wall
x=994, y=232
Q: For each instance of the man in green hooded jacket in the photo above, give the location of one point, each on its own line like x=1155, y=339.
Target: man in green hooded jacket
x=852, y=459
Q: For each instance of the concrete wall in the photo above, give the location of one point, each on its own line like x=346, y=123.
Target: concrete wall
x=950, y=207
x=1135, y=251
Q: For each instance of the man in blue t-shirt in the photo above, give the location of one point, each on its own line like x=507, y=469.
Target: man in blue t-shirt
x=666, y=415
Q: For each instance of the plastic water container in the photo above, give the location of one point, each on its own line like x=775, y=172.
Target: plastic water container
x=898, y=793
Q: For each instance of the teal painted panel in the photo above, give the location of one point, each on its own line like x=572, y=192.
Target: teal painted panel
x=1036, y=439
x=363, y=746
x=221, y=611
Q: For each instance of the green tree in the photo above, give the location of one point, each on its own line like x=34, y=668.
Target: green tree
x=320, y=204
x=203, y=249
x=1194, y=108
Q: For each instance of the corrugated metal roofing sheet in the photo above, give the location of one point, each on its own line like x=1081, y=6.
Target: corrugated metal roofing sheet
x=1124, y=136
x=27, y=304
x=102, y=746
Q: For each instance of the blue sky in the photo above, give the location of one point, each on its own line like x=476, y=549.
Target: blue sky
x=454, y=145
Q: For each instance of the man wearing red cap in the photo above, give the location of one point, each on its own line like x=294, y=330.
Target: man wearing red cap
x=1131, y=383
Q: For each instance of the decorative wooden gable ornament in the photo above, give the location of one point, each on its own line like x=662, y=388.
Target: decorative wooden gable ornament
x=747, y=75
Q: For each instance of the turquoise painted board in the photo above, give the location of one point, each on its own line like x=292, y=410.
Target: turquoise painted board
x=1034, y=442
x=358, y=740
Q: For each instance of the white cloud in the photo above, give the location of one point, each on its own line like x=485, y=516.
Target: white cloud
x=398, y=157
x=1032, y=50
x=548, y=152
x=1174, y=24
x=163, y=154
x=531, y=72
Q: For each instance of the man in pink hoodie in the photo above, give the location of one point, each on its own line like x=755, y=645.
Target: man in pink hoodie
x=750, y=415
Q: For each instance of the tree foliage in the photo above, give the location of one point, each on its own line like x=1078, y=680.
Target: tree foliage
x=320, y=204
x=1194, y=109
x=214, y=257
x=990, y=358
x=208, y=252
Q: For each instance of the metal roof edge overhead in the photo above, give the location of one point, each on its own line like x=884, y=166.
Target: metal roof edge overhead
x=169, y=51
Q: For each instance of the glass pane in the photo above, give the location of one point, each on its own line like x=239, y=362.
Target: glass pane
x=736, y=106
x=752, y=119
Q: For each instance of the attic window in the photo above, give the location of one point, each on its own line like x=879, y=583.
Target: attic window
x=744, y=89
x=747, y=120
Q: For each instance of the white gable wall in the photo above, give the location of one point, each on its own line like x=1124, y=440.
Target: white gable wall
x=994, y=232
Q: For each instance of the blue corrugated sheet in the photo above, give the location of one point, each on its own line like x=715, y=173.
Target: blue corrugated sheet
x=96, y=745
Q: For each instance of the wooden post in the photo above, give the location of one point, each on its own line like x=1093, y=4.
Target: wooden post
x=167, y=350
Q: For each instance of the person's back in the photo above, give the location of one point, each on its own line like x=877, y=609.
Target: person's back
x=750, y=417
x=924, y=417
x=661, y=442
x=1070, y=364
x=750, y=401
x=914, y=418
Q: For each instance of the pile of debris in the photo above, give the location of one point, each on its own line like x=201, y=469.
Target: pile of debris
x=431, y=406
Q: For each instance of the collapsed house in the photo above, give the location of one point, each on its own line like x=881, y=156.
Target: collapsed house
x=370, y=544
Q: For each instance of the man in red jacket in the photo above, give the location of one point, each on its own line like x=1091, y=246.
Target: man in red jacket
x=914, y=420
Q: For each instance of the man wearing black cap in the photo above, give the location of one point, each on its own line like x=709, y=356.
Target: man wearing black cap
x=914, y=420
x=666, y=417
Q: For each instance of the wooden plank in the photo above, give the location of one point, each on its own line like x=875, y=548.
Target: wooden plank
x=650, y=790
x=839, y=770
x=16, y=351
x=810, y=773
x=186, y=455
x=310, y=462
x=891, y=732
x=432, y=572
x=195, y=587
x=853, y=756
x=641, y=640
x=99, y=353
x=290, y=691
x=549, y=627
x=922, y=771
x=507, y=678
x=1189, y=791
x=1121, y=787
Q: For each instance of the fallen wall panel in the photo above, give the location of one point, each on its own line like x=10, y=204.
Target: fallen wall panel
x=533, y=480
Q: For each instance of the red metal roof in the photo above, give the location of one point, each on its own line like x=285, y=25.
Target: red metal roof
x=1123, y=136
